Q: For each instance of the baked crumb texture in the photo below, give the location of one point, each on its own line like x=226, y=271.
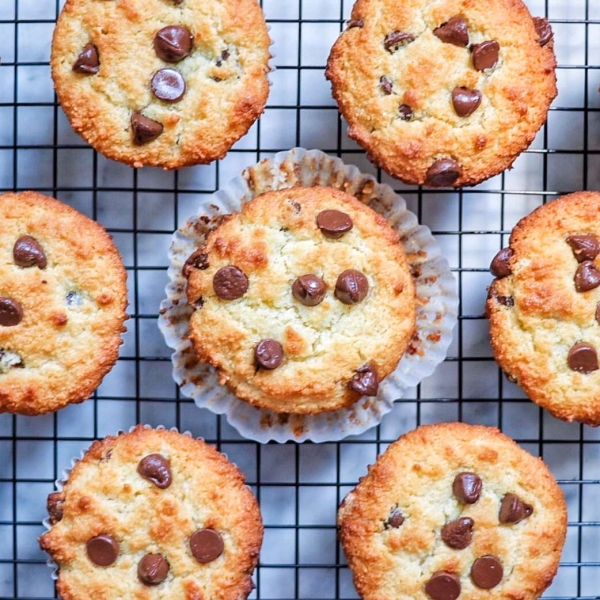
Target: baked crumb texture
x=333, y=336
x=443, y=93
x=140, y=510
x=62, y=304
x=544, y=304
x=160, y=82
x=454, y=511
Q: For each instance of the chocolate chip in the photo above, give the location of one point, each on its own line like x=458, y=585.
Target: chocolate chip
x=454, y=31
x=467, y=487
x=55, y=506
x=443, y=586
x=144, y=129
x=74, y=299
x=11, y=312
x=27, y=252
x=168, y=85
x=500, y=266
x=173, y=43
x=268, y=354
x=544, y=30
x=309, y=290
x=485, y=55
x=406, y=112
x=458, y=534
x=355, y=23
x=465, y=101
x=587, y=277
x=505, y=300
x=513, y=509
x=585, y=246
x=206, y=545
x=487, y=572
x=153, y=569
x=396, y=39
x=443, y=173
x=230, y=283
x=88, y=61
x=102, y=550
x=583, y=358
x=334, y=223
x=351, y=287
x=386, y=85
x=395, y=520
x=197, y=260
x=365, y=381
x=157, y=469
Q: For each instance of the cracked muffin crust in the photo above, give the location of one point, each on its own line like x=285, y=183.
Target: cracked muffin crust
x=303, y=302
x=443, y=93
x=454, y=511
x=154, y=514
x=544, y=304
x=161, y=83
x=63, y=297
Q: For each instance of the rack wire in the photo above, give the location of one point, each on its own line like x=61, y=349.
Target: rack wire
x=299, y=486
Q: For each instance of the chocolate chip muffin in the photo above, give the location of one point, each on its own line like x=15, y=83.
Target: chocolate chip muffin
x=63, y=297
x=544, y=307
x=454, y=510
x=164, y=83
x=154, y=514
x=443, y=93
x=303, y=302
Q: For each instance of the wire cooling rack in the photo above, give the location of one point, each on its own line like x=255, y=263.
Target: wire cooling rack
x=299, y=486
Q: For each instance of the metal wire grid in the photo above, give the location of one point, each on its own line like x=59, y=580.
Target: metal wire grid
x=299, y=487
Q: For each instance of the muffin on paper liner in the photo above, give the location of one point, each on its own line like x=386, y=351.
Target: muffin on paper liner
x=437, y=300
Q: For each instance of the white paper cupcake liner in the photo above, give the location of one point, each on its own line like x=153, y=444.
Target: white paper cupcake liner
x=437, y=300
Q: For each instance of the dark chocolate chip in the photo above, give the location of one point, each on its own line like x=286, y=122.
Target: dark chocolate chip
x=458, y=534
x=396, y=39
x=334, y=223
x=88, y=61
x=395, y=520
x=487, y=572
x=598, y=312
x=168, y=85
x=513, y=509
x=465, y=101
x=55, y=506
x=406, y=112
x=585, y=246
x=355, y=23
x=206, y=545
x=505, y=300
x=157, y=469
x=153, y=569
x=587, y=277
x=173, y=43
x=386, y=85
x=144, y=129
x=309, y=290
x=351, y=287
x=443, y=173
x=197, y=260
x=27, y=252
x=544, y=30
x=365, y=381
x=230, y=283
x=485, y=55
x=454, y=31
x=11, y=312
x=467, y=487
x=583, y=358
x=268, y=354
x=500, y=266
x=103, y=550
x=443, y=586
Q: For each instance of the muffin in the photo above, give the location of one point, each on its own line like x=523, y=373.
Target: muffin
x=544, y=307
x=154, y=514
x=161, y=83
x=444, y=93
x=303, y=301
x=62, y=304
x=454, y=510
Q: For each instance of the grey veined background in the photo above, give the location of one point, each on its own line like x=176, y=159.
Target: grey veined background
x=299, y=487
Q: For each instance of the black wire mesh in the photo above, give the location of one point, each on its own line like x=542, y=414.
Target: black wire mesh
x=299, y=487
